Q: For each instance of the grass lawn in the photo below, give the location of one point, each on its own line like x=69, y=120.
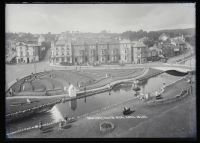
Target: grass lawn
x=13, y=106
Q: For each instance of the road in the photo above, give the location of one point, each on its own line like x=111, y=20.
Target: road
x=21, y=70
x=190, y=51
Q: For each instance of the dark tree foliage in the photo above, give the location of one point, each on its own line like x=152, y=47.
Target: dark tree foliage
x=191, y=40
x=153, y=35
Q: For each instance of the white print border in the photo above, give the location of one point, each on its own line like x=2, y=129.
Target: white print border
x=116, y=117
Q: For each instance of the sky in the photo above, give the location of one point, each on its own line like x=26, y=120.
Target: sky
x=115, y=18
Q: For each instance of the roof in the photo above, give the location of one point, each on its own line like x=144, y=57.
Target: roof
x=125, y=41
x=60, y=42
x=155, y=48
x=139, y=44
x=178, y=41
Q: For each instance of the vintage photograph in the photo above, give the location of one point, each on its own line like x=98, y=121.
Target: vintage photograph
x=100, y=70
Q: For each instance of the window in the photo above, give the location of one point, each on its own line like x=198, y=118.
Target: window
x=27, y=53
x=57, y=60
x=92, y=52
x=125, y=57
x=63, y=59
x=102, y=59
x=62, y=53
x=68, y=59
x=103, y=52
x=125, y=51
x=113, y=52
x=81, y=52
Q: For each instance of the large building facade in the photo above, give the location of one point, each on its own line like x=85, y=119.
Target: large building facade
x=139, y=53
x=126, y=51
x=81, y=53
x=133, y=52
x=27, y=52
x=61, y=51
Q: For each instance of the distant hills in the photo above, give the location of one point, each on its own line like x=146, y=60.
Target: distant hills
x=188, y=31
x=132, y=35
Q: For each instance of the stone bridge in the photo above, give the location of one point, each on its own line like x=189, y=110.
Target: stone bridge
x=176, y=67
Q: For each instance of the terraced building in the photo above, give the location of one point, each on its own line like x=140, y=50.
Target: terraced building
x=83, y=51
x=61, y=51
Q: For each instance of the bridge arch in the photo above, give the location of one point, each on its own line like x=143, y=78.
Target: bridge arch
x=176, y=73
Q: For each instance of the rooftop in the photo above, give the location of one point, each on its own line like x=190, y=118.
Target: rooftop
x=139, y=44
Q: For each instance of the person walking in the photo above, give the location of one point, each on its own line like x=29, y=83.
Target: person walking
x=40, y=125
x=11, y=92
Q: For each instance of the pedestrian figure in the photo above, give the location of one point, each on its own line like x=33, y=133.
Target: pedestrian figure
x=40, y=125
x=10, y=92
x=46, y=93
x=23, y=87
x=28, y=101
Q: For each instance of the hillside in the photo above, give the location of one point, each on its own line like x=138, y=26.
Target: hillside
x=188, y=31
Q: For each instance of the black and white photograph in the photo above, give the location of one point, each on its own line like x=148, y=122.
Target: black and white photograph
x=100, y=70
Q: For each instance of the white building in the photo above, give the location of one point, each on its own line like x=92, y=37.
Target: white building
x=27, y=52
x=61, y=51
x=41, y=39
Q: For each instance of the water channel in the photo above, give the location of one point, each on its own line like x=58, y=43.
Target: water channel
x=119, y=94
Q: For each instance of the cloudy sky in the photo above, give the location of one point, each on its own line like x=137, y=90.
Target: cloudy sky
x=56, y=18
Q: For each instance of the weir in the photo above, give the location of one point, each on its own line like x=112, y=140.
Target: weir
x=56, y=114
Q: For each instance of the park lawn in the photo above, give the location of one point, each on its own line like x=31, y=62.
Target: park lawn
x=12, y=109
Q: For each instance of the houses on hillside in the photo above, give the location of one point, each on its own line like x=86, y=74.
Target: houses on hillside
x=163, y=37
x=83, y=49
